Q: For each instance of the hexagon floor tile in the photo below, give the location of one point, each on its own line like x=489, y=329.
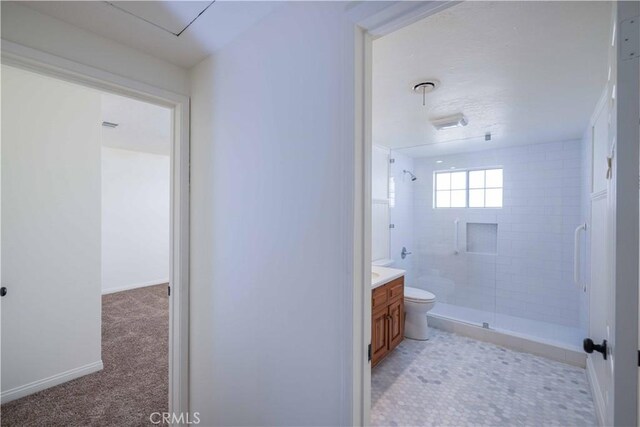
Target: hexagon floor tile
x=451, y=380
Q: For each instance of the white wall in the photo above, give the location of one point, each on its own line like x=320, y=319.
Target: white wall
x=532, y=274
x=379, y=173
x=50, y=232
x=401, y=214
x=380, y=204
x=135, y=219
x=271, y=216
x=38, y=31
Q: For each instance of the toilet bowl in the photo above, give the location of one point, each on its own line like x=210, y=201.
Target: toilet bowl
x=417, y=303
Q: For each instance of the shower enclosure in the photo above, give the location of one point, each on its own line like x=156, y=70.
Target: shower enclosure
x=493, y=234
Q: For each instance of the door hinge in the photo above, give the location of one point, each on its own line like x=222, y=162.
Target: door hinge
x=369, y=353
x=630, y=38
x=169, y=290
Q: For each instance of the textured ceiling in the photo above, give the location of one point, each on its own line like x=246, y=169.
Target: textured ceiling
x=528, y=72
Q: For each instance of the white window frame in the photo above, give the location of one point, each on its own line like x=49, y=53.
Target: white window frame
x=450, y=190
x=467, y=188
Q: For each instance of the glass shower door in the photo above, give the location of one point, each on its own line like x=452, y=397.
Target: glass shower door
x=455, y=246
x=462, y=280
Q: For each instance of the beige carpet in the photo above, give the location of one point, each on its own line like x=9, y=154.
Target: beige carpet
x=134, y=381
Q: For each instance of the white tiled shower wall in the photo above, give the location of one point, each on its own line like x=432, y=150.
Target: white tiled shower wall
x=531, y=275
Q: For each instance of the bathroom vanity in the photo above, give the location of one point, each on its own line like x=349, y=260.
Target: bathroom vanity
x=387, y=311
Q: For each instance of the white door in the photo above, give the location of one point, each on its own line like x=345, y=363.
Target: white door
x=50, y=249
x=614, y=229
x=624, y=209
x=601, y=295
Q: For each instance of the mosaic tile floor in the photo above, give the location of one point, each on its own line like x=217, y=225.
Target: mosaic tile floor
x=451, y=380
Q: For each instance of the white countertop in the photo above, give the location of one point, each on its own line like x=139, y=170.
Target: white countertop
x=383, y=275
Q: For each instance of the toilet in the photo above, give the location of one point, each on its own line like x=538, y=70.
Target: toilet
x=417, y=302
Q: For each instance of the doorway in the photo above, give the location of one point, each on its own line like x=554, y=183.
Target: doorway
x=67, y=200
x=621, y=308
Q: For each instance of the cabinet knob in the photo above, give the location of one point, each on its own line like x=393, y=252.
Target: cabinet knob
x=3, y=291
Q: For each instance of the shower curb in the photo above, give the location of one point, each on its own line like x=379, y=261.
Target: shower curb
x=575, y=357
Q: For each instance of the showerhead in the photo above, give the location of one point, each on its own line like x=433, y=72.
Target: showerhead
x=413, y=177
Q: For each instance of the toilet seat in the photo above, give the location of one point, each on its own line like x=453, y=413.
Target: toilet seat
x=418, y=295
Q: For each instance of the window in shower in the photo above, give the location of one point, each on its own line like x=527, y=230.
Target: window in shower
x=451, y=189
x=475, y=188
x=485, y=188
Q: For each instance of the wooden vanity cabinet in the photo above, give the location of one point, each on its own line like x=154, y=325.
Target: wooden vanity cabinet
x=387, y=319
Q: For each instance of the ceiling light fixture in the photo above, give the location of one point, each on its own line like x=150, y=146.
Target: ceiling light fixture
x=438, y=161
x=425, y=87
x=449, y=122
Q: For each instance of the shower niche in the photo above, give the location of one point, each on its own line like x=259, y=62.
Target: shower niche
x=482, y=238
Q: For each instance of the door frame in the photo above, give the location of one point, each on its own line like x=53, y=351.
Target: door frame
x=372, y=20
x=376, y=19
x=33, y=60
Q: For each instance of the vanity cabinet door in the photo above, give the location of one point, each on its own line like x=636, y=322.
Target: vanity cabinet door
x=379, y=298
x=379, y=335
x=387, y=319
x=396, y=323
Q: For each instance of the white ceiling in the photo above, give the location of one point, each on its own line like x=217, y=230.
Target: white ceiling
x=216, y=27
x=141, y=126
x=171, y=16
x=528, y=72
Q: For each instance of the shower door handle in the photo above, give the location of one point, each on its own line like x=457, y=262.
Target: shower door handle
x=455, y=237
x=576, y=254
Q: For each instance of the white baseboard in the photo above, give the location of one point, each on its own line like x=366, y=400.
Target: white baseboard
x=596, y=392
x=134, y=286
x=54, y=380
